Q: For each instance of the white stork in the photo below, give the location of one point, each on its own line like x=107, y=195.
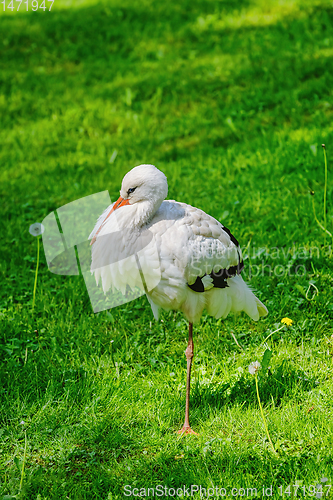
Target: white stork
x=196, y=259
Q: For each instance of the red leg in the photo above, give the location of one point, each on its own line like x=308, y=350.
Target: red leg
x=186, y=429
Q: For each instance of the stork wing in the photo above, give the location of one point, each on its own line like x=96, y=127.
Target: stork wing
x=214, y=253
x=206, y=250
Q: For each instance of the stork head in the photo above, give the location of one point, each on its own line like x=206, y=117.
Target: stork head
x=144, y=183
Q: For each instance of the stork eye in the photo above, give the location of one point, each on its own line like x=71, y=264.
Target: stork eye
x=131, y=190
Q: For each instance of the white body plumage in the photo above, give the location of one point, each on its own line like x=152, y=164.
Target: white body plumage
x=190, y=262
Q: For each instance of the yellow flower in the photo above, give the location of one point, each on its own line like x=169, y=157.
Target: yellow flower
x=287, y=321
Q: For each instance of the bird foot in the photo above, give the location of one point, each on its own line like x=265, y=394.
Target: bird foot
x=187, y=430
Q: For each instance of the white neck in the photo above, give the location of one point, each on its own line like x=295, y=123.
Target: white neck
x=136, y=215
x=145, y=211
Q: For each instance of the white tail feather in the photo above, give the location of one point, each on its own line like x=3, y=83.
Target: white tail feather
x=234, y=298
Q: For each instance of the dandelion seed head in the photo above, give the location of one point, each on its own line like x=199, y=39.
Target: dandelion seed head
x=254, y=367
x=36, y=229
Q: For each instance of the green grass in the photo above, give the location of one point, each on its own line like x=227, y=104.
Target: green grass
x=232, y=100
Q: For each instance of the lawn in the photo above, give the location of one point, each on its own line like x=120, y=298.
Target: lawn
x=232, y=100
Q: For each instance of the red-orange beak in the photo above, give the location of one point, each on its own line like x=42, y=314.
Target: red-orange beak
x=121, y=202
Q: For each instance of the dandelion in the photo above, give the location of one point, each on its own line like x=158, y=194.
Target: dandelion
x=287, y=321
x=253, y=369
x=36, y=230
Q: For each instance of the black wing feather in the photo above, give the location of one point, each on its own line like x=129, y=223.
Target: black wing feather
x=220, y=277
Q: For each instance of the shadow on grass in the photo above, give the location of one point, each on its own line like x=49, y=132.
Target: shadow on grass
x=285, y=381
x=167, y=470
